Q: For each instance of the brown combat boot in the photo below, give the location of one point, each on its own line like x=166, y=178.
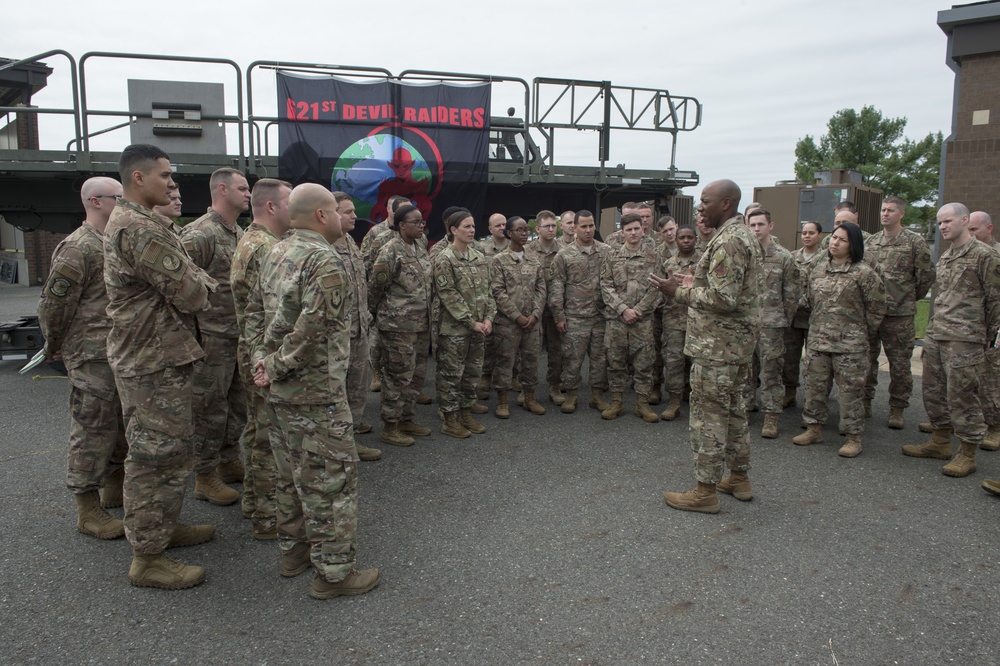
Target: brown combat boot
x=161, y=572
x=964, y=462
x=471, y=424
x=408, y=427
x=452, y=427
x=376, y=384
x=789, y=399
x=391, y=434
x=208, y=487
x=991, y=486
x=569, y=402
x=812, y=435
x=642, y=409
x=363, y=428
x=357, y=582
x=654, y=396
x=232, y=471
x=896, y=418
x=701, y=499
x=770, y=429
x=112, y=495
x=597, y=399
x=529, y=402
x=367, y=453
x=502, y=410
x=615, y=409
x=296, y=560
x=925, y=427
x=938, y=447
x=851, y=447
x=738, y=485
x=991, y=442
x=423, y=399
x=93, y=520
x=478, y=408
x=673, y=407
x=556, y=396
x=190, y=535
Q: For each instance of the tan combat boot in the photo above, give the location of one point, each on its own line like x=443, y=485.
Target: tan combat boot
x=556, y=396
x=569, y=402
x=478, y=408
x=654, y=396
x=452, y=427
x=423, y=399
x=93, y=520
x=613, y=410
x=738, y=485
x=896, y=418
x=643, y=411
x=529, y=402
x=789, y=399
x=232, y=471
x=408, y=427
x=701, y=499
x=991, y=442
x=357, y=582
x=295, y=560
x=190, y=535
x=367, y=453
x=597, y=399
x=161, y=572
x=673, y=407
x=925, y=427
x=112, y=496
x=471, y=424
x=812, y=435
x=208, y=487
x=851, y=447
x=520, y=398
x=376, y=384
x=363, y=428
x=964, y=462
x=391, y=434
x=502, y=410
x=991, y=486
x=770, y=429
x=938, y=447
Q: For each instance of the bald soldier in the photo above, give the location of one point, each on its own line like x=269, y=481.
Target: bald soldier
x=723, y=297
x=306, y=353
x=72, y=314
x=567, y=224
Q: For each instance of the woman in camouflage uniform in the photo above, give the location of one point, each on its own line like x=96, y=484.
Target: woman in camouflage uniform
x=795, y=335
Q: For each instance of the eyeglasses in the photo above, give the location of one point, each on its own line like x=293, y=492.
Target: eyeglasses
x=116, y=197
x=419, y=223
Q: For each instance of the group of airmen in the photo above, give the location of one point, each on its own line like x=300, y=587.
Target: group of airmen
x=248, y=356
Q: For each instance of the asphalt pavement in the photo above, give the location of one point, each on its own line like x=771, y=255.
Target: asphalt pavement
x=544, y=541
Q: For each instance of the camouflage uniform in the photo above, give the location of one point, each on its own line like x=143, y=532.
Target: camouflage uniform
x=518, y=288
x=575, y=298
x=462, y=283
x=219, y=397
x=847, y=302
x=991, y=379
x=307, y=344
x=261, y=473
x=435, y=250
x=908, y=272
x=964, y=323
x=154, y=289
x=489, y=248
x=663, y=253
x=798, y=329
x=617, y=239
x=73, y=317
x=723, y=323
x=399, y=298
x=359, y=370
x=625, y=284
x=675, y=317
x=552, y=336
x=565, y=240
x=777, y=309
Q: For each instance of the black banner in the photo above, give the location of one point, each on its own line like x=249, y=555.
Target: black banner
x=427, y=142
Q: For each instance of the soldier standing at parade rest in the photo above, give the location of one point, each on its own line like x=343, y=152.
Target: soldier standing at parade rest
x=219, y=398
x=462, y=283
x=962, y=335
x=306, y=353
x=666, y=230
x=545, y=248
x=399, y=290
x=154, y=290
x=73, y=317
x=490, y=247
x=981, y=226
x=723, y=324
x=795, y=335
x=675, y=317
x=517, y=282
x=846, y=299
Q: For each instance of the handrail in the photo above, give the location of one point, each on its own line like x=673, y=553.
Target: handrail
x=75, y=111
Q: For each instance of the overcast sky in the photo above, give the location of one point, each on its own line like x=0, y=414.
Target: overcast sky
x=768, y=72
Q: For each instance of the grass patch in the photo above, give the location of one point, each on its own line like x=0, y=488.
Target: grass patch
x=920, y=318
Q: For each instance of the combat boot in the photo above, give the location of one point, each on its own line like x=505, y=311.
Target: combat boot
x=654, y=396
x=673, y=407
x=363, y=428
x=613, y=410
x=964, y=462
x=423, y=399
x=701, y=499
x=479, y=409
x=502, y=410
x=812, y=435
x=938, y=447
x=597, y=399
x=991, y=486
x=789, y=399
x=367, y=453
x=208, y=487
x=232, y=471
x=483, y=389
x=161, y=572
x=991, y=442
x=851, y=447
x=520, y=398
x=738, y=485
x=529, y=403
x=391, y=434
x=515, y=385
x=93, y=520
x=376, y=384
x=770, y=429
x=452, y=427
x=190, y=535
x=643, y=411
x=296, y=560
x=569, y=403
x=356, y=582
x=112, y=496
x=925, y=427
x=471, y=424
x=556, y=396
x=868, y=408
x=408, y=427
x=896, y=418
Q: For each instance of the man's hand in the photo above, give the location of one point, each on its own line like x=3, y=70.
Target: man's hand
x=530, y=326
x=630, y=316
x=562, y=326
x=260, y=377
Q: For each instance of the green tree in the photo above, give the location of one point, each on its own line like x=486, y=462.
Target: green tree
x=873, y=145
